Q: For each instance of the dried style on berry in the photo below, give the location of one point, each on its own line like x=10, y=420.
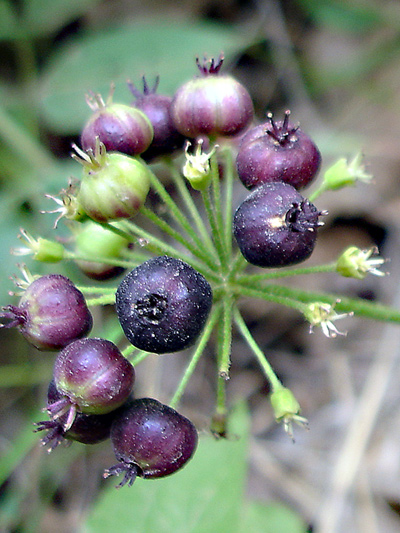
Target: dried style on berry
x=276, y=226
x=277, y=151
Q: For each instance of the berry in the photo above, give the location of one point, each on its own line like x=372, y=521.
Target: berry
x=277, y=151
x=150, y=440
x=162, y=305
x=275, y=226
x=211, y=104
x=121, y=128
x=87, y=429
x=113, y=186
x=93, y=377
x=166, y=138
x=51, y=313
x=93, y=240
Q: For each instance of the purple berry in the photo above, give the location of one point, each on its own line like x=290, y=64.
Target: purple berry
x=277, y=151
x=51, y=313
x=163, y=304
x=275, y=226
x=93, y=377
x=87, y=429
x=211, y=104
x=150, y=440
x=121, y=128
x=166, y=138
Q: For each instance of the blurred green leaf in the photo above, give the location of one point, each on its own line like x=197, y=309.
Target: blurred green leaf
x=271, y=518
x=92, y=62
x=346, y=16
x=205, y=496
x=8, y=20
x=42, y=17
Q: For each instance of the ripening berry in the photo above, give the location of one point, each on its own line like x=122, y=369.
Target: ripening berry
x=121, y=128
x=150, y=440
x=277, y=151
x=51, y=313
x=211, y=104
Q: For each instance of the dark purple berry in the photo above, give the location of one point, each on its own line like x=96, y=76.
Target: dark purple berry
x=163, y=304
x=211, y=104
x=93, y=377
x=166, y=138
x=275, y=226
x=121, y=128
x=51, y=313
x=150, y=440
x=277, y=151
x=87, y=429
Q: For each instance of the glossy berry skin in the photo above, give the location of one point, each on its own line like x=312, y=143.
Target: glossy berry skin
x=150, y=440
x=115, y=188
x=277, y=151
x=87, y=429
x=276, y=226
x=51, y=313
x=157, y=108
x=93, y=240
x=121, y=128
x=211, y=104
x=163, y=304
x=92, y=376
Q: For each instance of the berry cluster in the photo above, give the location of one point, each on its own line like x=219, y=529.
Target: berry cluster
x=184, y=284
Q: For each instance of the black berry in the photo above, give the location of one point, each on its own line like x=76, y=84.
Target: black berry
x=275, y=226
x=51, y=313
x=162, y=305
x=150, y=440
x=277, y=151
x=92, y=377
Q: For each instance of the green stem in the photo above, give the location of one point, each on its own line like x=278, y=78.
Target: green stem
x=286, y=273
x=317, y=193
x=248, y=337
x=229, y=175
x=193, y=210
x=106, y=299
x=264, y=293
x=212, y=320
x=114, y=229
x=96, y=290
x=225, y=339
x=72, y=256
x=139, y=357
x=200, y=253
x=214, y=227
x=176, y=212
x=343, y=304
x=160, y=247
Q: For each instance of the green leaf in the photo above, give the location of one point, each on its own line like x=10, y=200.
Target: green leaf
x=271, y=518
x=8, y=20
x=93, y=62
x=206, y=495
x=41, y=17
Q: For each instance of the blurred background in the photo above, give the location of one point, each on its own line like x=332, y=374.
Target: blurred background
x=336, y=65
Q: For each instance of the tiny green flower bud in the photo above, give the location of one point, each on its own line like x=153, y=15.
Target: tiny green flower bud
x=344, y=174
x=323, y=314
x=286, y=409
x=41, y=249
x=356, y=263
x=197, y=169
